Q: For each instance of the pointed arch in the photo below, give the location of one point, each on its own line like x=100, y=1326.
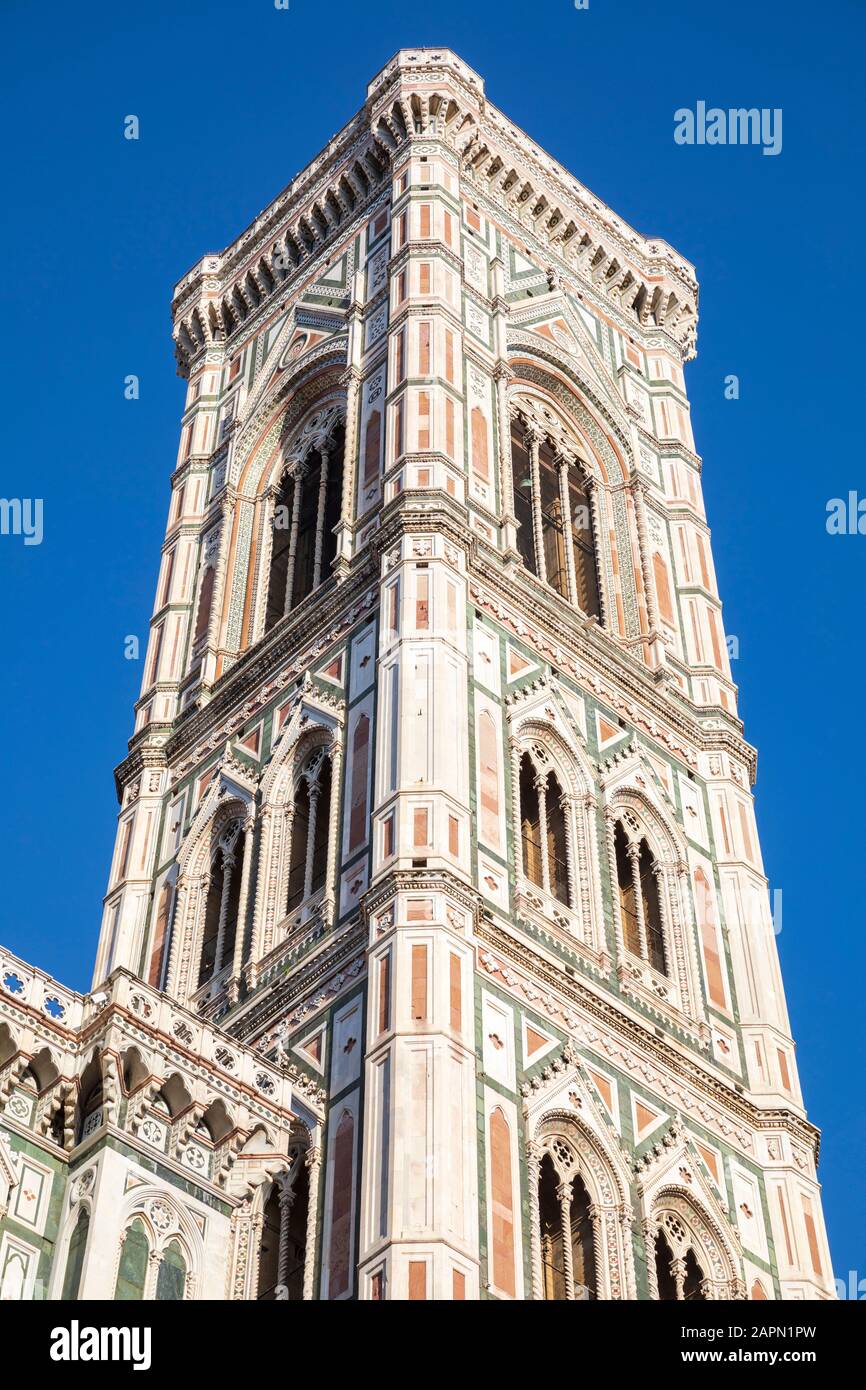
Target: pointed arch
x=300, y=795
x=655, y=939
x=695, y=1251
x=588, y=1250
x=555, y=826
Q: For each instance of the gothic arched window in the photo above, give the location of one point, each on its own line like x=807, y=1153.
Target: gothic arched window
x=132, y=1270
x=544, y=840
x=552, y=507
x=171, y=1279
x=652, y=911
x=306, y=511
x=567, y=1248
x=308, y=859
x=222, y=907
x=627, y=895
x=75, y=1257
x=639, y=900
x=679, y=1277
x=282, y=1253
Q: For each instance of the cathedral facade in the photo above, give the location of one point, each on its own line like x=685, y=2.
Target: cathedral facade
x=437, y=959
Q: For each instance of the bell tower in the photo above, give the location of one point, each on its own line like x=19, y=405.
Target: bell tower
x=436, y=854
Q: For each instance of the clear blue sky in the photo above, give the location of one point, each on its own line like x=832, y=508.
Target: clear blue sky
x=233, y=99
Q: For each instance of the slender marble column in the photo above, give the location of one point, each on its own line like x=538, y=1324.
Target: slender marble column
x=649, y=1239
x=320, y=519
x=533, y=1175
x=634, y=860
x=228, y=871
x=537, y=528
x=562, y=464
x=541, y=788
x=593, y=492
x=314, y=1166
x=297, y=492
x=334, y=821
x=246, y=879
x=596, y=1217
x=563, y=1192
x=311, y=841
x=287, y=1201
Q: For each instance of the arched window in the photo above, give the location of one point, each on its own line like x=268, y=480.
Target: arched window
x=222, y=906
x=557, y=846
x=679, y=1276
x=308, y=859
x=627, y=895
x=205, y=603
x=132, y=1271
x=652, y=912
x=583, y=543
x=639, y=901
x=282, y=1253
x=543, y=831
x=90, y=1105
x=75, y=1258
x=306, y=511
x=530, y=824
x=522, y=477
x=566, y=1228
x=555, y=537
x=171, y=1280
x=300, y=838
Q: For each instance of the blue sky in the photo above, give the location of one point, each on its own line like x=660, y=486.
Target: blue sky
x=233, y=99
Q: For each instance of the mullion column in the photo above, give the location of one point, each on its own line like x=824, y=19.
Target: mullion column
x=334, y=821
x=618, y=924
x=574, y=902
x=228, y=871
x=502, y=376
x=563, y=1192
x=297, y=492
x=567, y=530
x=649, y=1238
x=593, y=493
x=634, y=860
x=313, y=1163
x=287, y=1201
x=320, y=519
x=533, y=1176
x=246, y=878
x=537, y=525
x=597, y=1221
x=311, y=842
x=541, y=788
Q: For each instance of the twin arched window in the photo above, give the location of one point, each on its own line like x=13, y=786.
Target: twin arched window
x=679, y=1279
x=223, y=905
x=543, y=831
x=132, y=1273
x=306, y=511
x=567, y=1244
x=553, y=510
x=282, y=1254
x=311, y=815
x=639, y=901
